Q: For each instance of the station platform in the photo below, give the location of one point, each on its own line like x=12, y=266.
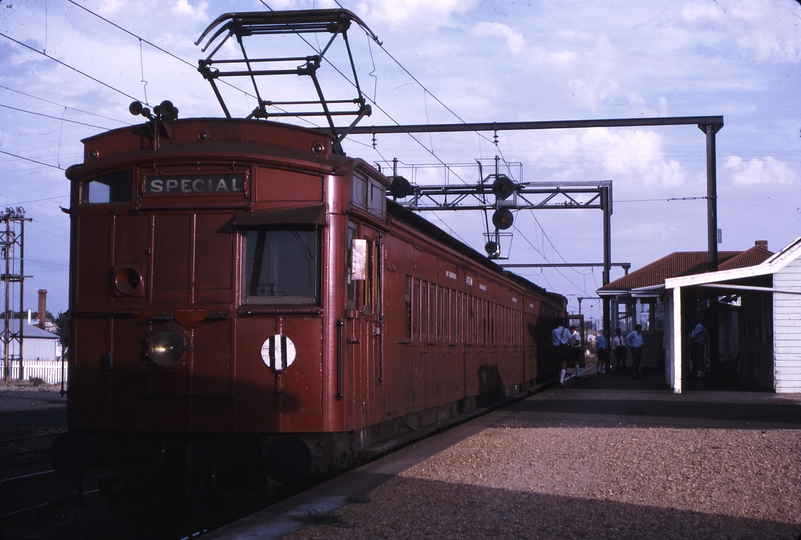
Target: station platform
x=606, y=456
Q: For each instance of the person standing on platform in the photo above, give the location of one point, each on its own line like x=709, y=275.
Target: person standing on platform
x=698, y=338
x=619, y=346
x=575, y=344
x=635, y=343
x=560, y=336
x=602, y=346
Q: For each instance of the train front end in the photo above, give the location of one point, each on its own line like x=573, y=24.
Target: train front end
x=199, y=290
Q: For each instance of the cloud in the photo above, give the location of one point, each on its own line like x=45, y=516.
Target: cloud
x=763, y=31
x=494, y=30
x=412, y=14
x=182, y=8
x=759, y=171
x=632, y=158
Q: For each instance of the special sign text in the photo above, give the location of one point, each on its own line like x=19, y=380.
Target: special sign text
x=198, y=183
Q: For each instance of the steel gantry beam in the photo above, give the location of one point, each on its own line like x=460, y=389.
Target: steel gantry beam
x=547, y=124
x=527, y=196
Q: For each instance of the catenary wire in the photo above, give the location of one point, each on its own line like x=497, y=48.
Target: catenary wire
x=31, y=160
x=51, y=117
x=61, y=105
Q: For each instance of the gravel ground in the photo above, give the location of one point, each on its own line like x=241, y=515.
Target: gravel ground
x=28, y=408
x=27, y=395
x=527, y=476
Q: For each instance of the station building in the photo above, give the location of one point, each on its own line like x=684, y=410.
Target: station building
x=666, y=295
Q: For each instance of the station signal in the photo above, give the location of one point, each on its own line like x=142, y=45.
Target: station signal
x=502, y=218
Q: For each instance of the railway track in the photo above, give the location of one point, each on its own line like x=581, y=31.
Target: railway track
x=31, y=495
x=22, y=494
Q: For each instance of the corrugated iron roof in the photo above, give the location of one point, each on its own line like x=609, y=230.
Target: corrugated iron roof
x=28, y=331
x=685, y=263
x=751, y=257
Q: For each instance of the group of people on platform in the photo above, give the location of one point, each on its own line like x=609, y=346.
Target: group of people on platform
x=568, y=349
x=567, y=344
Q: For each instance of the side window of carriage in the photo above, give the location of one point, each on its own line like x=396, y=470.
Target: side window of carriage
x=369, y=194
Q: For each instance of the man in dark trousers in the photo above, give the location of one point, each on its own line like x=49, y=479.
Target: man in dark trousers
x=635, y=343
x=698, y=338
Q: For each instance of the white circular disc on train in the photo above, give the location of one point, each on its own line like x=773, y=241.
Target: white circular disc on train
x=278, y=352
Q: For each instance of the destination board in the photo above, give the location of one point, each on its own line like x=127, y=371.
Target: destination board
x=198, y=183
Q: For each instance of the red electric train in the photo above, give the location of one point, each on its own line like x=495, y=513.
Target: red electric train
x=247, y=303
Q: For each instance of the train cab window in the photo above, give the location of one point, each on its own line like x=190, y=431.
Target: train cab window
x=282, y=266
x=112, y=188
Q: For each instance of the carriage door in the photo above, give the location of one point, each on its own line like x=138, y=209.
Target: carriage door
x=364, y=317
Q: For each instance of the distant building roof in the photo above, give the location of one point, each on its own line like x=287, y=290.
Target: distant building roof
x=684, y=263
x=28, y=331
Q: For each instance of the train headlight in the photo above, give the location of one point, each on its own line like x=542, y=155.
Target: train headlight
x=127, y=280
x=166, y=347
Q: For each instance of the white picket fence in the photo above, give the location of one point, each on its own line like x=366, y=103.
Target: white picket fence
x=50, y=371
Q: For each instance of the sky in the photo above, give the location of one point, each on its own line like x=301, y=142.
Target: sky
x=70, y=68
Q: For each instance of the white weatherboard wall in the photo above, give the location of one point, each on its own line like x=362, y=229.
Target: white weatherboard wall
x=787, y=328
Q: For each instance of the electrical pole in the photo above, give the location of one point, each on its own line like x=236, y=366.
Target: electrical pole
x=12, y=250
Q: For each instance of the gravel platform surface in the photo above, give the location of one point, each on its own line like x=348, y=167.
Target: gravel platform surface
x=604, y=458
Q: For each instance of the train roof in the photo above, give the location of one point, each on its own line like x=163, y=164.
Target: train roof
x=416, y=221
x=212, y=138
